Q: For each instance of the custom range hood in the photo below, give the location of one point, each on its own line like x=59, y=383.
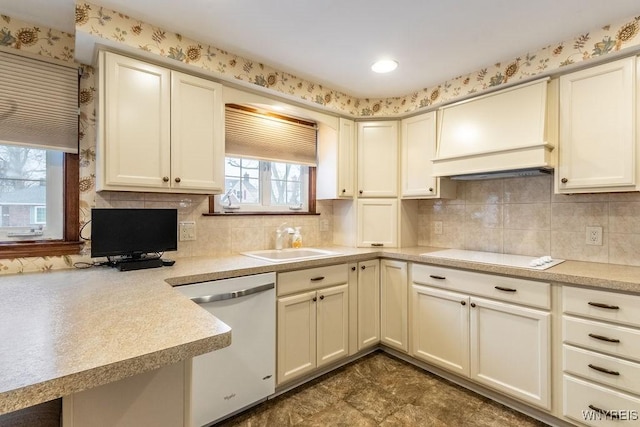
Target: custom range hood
x=512, y=132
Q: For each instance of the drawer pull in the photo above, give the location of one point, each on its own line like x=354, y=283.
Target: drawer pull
x=377, y=245
x=601, y=338
x=317, y=279
x=607, y=306
x=611, y=414
x=501, y=288
x=606, y=371
x=433, y=276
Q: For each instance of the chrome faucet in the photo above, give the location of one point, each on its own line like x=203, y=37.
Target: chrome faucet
x=281, y=232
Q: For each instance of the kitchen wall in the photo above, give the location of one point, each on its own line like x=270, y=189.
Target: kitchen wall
x=523, y=216
x=511, y=215
x=93, y=21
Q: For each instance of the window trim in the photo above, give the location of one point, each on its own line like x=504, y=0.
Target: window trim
x=311, y=201
x=70, y=244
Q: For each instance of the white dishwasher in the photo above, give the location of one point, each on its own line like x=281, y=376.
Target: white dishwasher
x=227, y=380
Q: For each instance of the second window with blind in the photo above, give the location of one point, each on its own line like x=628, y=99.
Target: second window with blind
x=268, y=162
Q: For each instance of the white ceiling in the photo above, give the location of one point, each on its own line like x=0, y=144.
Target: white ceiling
x=334, y=42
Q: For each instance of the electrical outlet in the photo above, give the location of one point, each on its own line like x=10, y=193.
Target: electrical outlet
x=324, y=225
x=187, y=230
x=437, y=227
x=594, y=236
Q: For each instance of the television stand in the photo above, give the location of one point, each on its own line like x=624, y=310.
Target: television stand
x=137, y=264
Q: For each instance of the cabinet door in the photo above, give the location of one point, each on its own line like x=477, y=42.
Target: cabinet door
x=296, y=336
x=197, y=134
x=510, y=350
x=346, y=158
x=368, y=303
x=377, y=222
x=597, y=128
x=135, y=129
x=418, y=148
x=332, y=324
x=440, y=328
x=378, y=159
x=393, y=304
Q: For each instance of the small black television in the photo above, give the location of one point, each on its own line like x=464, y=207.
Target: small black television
x=133, y=233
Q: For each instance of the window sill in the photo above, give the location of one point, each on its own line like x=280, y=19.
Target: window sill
x=12, y=250
x=256, y=213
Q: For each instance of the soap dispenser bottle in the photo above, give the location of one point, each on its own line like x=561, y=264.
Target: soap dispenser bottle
x=296, y=242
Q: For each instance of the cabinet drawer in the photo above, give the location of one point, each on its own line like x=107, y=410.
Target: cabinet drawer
x=607, y=370
x=582, y=400
x=519, y=291
x=612, y=339
x=311, y=278
x=611, y=306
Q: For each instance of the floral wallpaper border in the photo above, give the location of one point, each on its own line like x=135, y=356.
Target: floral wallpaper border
x=114, y=26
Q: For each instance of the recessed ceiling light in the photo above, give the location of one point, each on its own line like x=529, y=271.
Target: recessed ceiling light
x=384, y=66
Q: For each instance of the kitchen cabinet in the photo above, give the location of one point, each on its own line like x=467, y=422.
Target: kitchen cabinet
x=418, y=148
x=154, y=398
x=377, y=159
x=377, y=222
x=368, y=304
x=312, y=325
x=336, y=161
x=159, y=130
x=598, y=119
x=393, y=304
x=495, y=342
x=600, y=355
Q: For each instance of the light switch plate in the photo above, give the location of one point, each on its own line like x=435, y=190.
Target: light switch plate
x=187, y=231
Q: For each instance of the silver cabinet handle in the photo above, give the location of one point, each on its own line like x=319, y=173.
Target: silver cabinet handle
x=234, y=294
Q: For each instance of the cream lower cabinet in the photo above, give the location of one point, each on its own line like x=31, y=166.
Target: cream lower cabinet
x=393, y=304
x=601, y=357
x=499, y=344
x=158, y=130
x=313, y=326
x=368, y=304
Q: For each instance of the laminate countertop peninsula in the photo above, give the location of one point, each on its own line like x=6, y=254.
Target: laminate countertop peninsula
x=66, y=331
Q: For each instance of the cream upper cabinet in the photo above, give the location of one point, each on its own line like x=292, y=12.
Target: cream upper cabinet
x=368, y=303
x=158, y=130
x=598, y=141
x=393, y=304
x=377, y=159
x=377, y=222
x=197, y=129
x=418, y=150
x=336, y=160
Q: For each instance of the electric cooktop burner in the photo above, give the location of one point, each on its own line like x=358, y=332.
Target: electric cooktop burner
x=521, y=261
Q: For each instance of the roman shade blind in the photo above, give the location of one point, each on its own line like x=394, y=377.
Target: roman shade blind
x=248, y=134
x=38, y=103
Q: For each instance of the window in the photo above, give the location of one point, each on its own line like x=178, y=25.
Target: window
x=38, y=157
x=258, y=185
x=270, y=163
x=30, y=180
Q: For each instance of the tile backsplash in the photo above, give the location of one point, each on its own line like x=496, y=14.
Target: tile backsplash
x=524, y=216
x=225, y=234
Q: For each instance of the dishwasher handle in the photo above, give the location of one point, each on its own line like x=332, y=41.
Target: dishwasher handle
x=233, y=294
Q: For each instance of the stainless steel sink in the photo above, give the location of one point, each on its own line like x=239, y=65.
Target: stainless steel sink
x=282, y=255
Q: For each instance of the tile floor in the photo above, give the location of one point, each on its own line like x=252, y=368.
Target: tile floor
x=380, y=390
